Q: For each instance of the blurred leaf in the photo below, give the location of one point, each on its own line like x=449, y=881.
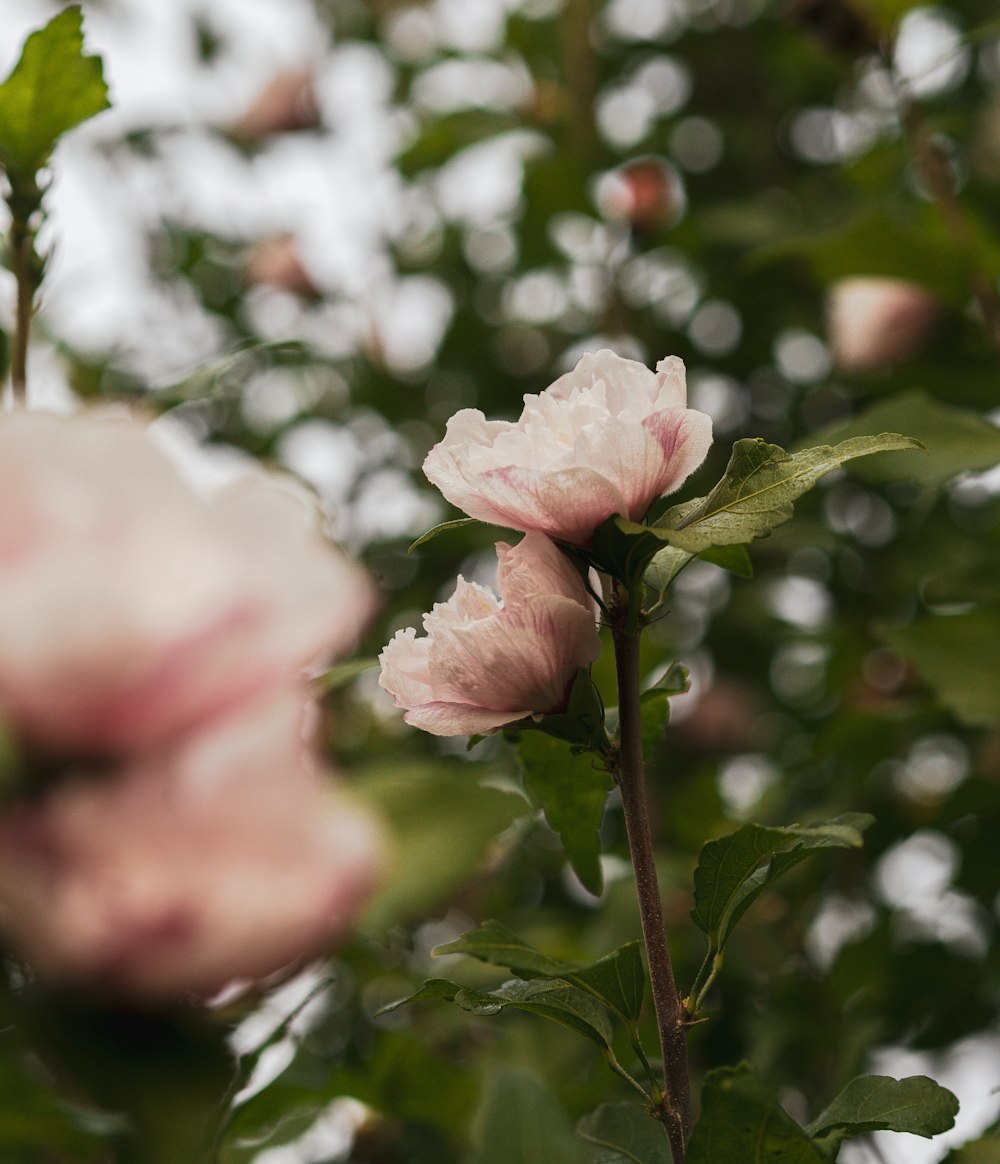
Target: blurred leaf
x=957, y=656
x=520, y=1121
x=572, y=791
x=623, y=1133
x=760, y=485
x=557, y=1001
x=655, y=707
x=442, y=820
x=957, y=440
x=872, y=1103
x=741, y=1120
x=52, y=88
x=734, y=870
x=344, y=673
x=984, y=1151
x=617, y=979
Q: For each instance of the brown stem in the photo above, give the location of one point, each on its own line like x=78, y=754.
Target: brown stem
x=676, y=1106
x=936, y=172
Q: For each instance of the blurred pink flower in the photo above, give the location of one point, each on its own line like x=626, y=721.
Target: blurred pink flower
x=219, y=858
x=131, y=608
x=874, y=322
x=610, y=437
x=484, y=663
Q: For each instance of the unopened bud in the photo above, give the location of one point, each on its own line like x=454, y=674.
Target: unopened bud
x=647, y=193
x=286, y=104
x=275, y=262
x=874, y=322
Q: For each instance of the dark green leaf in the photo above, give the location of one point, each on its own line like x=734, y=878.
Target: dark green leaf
x=957, y=655
x=555, y=1000
x=734, y=870
x=520, y=1121
x=622, y=1133
x=760, y=485
x=741, y=1120
x=52, y=88
x=872, y=1103
x=617, y=979
x=958, y=440
x=572, y=791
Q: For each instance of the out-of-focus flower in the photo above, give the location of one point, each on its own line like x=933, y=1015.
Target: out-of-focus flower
x=219, y=858
x=131, y=608
x=286, y=104
x=484, y=663
x=276, y=262
x=874, y=322
x=607, y=438
x=647, y=193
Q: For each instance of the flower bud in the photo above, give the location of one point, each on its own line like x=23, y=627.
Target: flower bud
x=875, y=322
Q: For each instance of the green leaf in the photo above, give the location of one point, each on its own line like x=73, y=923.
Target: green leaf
x=735, y=559
x=624, y=548
x=873, y=1103
x=622, y=1133
x=957, y=656
x=666, y=564
x=442, y=821
x=760, y=485
x=521, y=1121
x=741, y=1120
x=655, y=707
x=734, y=870
x=555, y=1000
x=442, y=527
x=957, y=439
x=572, y=791
x=344, y=673
x=617, y=979
x=52, y=88
x=982, y=1151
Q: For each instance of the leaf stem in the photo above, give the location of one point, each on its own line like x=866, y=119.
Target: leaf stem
x=670, y=1019
x=24, y=200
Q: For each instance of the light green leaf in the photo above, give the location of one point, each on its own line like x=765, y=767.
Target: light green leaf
x=957, y=655
x=442, y=527
x=734, y=870
x=344, y=673
x=555, y=1000
x=760, y=485
x=616, y=980
x=741, y=1120
x=520, y=1121
x=735, y=559
x=873, y=1103
x=957, y=439
x=655, y=707
x=52, y=88
x=572, y=791
x=666, y=564
x=622, y=1133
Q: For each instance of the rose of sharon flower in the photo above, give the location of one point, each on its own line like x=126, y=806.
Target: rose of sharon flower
x=131, y=607
x=483, y=662
x=875, y=322
x=220, y=857
x=607, y=438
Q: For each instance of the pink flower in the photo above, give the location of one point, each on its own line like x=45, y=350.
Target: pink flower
x=873, y=323
x=610, y=437
x=131, y=608
x=219, y=858
x=484, y=663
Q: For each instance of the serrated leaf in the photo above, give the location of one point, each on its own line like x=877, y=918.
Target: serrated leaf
x=622, y=1133
x=956, y=654
x=53, y=87
x=873, y=1103
x=734, y=870
x=742, y=1120
x=617, y=980
x=552, y=999
x=440, y=528
x=758, y=490
x=572, y=791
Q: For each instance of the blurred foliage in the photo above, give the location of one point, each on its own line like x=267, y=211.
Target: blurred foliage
x=765, y=151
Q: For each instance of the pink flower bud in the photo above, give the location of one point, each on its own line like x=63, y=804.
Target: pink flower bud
x=286, y=104
x=484, y=663
x=131, y=608
x=873, y=323
x=607, y=438
x=219, y=858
